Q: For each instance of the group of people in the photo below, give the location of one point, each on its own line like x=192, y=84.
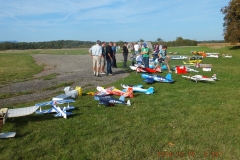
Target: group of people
x=159, y=55
x=102, y=54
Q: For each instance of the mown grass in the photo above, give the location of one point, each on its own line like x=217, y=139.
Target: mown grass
x=18, y=65
x=183, y=120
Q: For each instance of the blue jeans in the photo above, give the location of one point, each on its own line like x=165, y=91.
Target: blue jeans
x=109, y=66
x=146, y=62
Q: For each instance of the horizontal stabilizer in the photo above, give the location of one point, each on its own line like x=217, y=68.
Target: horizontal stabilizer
x=7, y=135
x=150, y=90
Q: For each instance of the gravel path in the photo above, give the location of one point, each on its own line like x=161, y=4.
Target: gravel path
x=76, y=69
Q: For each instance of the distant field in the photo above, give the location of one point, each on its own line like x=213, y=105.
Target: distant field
x=217, y=44
x=50, y=51
x=184, y=120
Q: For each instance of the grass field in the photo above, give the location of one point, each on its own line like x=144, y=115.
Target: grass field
x=183, y=120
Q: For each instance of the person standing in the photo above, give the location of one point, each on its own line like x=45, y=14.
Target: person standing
x=163, y=54
x=114, y=48
x=156, y=51
x=103, y=59
x=96, y=53
x=125, y=55
x=109, y=58
x=145, y=54
x=136, y=52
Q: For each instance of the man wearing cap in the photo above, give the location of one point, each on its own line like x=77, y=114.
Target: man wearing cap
x=145, y=54
x=96, y=53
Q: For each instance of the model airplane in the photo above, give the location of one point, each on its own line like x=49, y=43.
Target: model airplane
x=143, y=69
x=138, y=88
x=179, y=57
x=151, y=78
x=110, y=101
x=195, y=57
x=197, y=78
x=226, y=56
x=212, y=55
x=60, y=112
x=114, y=91
x=11, y=113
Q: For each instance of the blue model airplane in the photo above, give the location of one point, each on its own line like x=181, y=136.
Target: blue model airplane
x=60, y=112
x=148, y=78
x=110, y=101
x=138, y=88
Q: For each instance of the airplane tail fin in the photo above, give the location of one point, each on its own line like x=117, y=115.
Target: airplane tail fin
x=158, y=69
x=128, y=103
x=122, y=98
x=150, y=90
x=169, y=76
x=129, y=92
x=214, y=76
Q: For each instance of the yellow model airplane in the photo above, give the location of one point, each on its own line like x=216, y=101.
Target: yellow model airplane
x=195, y=61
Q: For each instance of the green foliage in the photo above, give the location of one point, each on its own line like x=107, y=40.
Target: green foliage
x=46, y=45
x=232, y=21
x=183, y=120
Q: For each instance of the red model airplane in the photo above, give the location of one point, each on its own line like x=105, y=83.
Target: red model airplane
x=148, y=70
x=114, y=91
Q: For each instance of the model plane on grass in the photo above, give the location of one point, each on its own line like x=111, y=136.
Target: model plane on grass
x=178, y=57
x=138, y=88
x=110, y=101
x=226, y=56
x=114, y=91
x=143, y=69
x=188, y=69
x=12, y=113
x=197, y=78
x=60, y=112
x=152, y=78
x=195, y=57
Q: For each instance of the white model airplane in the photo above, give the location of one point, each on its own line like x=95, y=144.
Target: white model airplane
x=213, y=55
x=197, y=78
x=226, y=56
x=60, y=112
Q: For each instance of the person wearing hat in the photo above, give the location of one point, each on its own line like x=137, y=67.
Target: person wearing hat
x=145, y=55
x=96, y=53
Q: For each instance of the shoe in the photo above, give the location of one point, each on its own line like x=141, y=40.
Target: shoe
x=170, y=71
x=98, y=75
x=94, y=73
x=102, y=73
x=110, y=74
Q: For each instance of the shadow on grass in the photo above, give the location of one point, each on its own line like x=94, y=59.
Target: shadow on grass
x=235, y=48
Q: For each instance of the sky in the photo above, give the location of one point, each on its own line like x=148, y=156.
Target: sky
x=110, y=20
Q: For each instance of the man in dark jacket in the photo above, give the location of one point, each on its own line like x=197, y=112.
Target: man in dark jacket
x=125, y=55
x=109, y=58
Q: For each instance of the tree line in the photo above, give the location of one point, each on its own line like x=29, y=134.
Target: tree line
x=81, y=44
x=46, y=45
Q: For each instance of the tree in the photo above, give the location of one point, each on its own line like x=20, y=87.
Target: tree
x=231, y=25
x=141, y=40
x=159, y=40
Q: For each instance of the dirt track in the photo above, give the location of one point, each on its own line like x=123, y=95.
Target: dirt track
x=76, y=69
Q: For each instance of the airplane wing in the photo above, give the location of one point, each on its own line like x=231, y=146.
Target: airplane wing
x=149, y=80
x=18, y=112
x=104, y=102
